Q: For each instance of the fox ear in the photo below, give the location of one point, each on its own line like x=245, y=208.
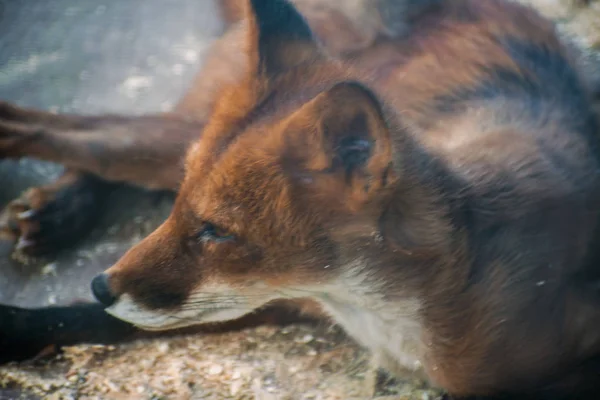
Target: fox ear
x=279, y=36
x=343, y=133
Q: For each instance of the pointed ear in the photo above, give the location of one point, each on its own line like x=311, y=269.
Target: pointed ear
x=279, y=36
x=343, y=133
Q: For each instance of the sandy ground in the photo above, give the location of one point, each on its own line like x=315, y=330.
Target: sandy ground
x=137, y=56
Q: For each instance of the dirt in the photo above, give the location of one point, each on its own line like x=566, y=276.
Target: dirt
x=264, y=363
x=133, y=57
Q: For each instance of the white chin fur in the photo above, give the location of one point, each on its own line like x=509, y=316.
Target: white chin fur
x=127, y=310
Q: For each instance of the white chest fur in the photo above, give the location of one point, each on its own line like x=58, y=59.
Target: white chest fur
x=391, y=331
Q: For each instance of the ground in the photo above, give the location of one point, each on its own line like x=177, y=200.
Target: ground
x=131, y=57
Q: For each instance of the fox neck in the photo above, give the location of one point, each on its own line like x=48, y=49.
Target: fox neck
x=389, y=326
x=381, y=291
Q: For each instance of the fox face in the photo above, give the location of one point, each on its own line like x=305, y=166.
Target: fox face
x=282, y=194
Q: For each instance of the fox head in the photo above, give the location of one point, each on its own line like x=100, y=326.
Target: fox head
x=283, y=195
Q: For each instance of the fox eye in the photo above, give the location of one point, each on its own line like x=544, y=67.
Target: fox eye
x=214, y=234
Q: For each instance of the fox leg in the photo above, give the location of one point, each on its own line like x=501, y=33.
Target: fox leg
x=97, y=152
x=145, y=151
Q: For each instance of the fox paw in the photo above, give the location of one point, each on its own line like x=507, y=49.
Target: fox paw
x=49, y=218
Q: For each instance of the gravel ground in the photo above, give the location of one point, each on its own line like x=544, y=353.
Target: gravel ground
x=136, y=56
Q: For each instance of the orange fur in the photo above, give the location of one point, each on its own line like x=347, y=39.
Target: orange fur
x=433, y=189
x=281, y=169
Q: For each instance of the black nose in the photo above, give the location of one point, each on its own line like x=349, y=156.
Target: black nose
x=101, y=290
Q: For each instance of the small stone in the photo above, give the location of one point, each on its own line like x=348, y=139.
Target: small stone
x=49, y=269
x=163, y=347
x=52, y=299
x=215, y=370
x=305, y=339
x=190, y=56
x=235, y=388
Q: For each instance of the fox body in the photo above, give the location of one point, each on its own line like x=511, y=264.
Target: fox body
x=434, y=190
x=435, y=194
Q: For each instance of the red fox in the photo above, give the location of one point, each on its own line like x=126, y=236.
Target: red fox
x=435, y=191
